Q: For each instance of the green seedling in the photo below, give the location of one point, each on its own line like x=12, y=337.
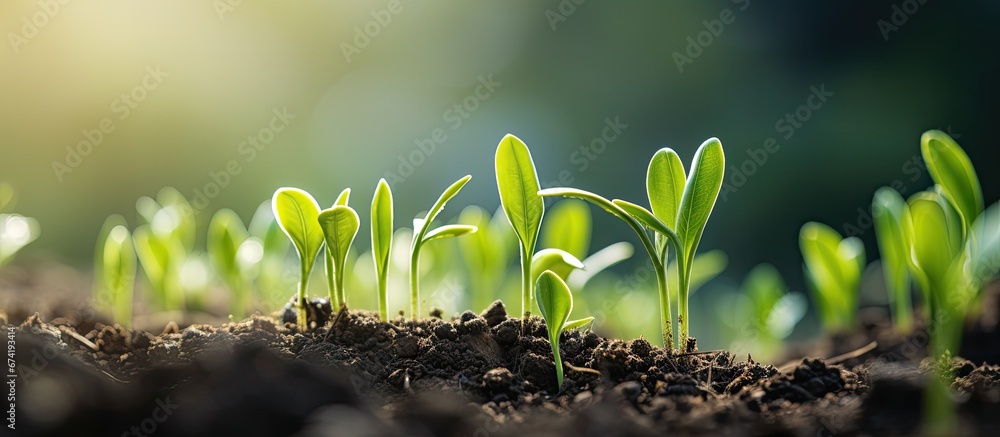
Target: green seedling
x=382, y=228
x=891, y=217
x=486, y=254
x=172, y=213
x=161, y=256
x=556, y=304
x=102, y=293
x=422, y=234
x=951, y=169
x=16, y=231
x=518, y=185
x=340, y=225
x=297, y=213
x=230, y=250
x=118, y=267
x=833, y=268
x=678, y=201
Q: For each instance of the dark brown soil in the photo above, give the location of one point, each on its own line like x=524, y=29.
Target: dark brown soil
x=475, y=375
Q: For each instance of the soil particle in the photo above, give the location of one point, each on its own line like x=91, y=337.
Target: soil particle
x=495, y=314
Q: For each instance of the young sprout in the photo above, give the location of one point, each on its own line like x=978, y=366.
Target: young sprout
x=556, y=304
x=422, y=234
x=557, y=261
x=518, y=187
x=118, y=265
x=891, y=216
x=833, y=267
x=297, y=213
x=226, y=237
x=162, y=257
x=952, y=170
x=680, y=202
x=340, y=225
x=102, y=293
x=382, y=228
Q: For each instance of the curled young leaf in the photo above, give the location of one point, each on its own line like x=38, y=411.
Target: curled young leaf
x=665, y=181
x=952, y=170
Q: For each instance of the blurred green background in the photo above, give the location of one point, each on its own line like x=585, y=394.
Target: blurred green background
x=367, y=84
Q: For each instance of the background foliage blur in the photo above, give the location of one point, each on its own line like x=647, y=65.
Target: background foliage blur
x=555, y=73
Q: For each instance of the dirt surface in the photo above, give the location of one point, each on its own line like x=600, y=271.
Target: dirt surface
x=474, y=375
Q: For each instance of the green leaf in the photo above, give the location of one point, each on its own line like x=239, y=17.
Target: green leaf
x=568, y=227
x=382, y=228
x=891, y=217
x=118, y=267
x=102, y=300
x=340, y=225
x=578, y=324
x=935, y=242
x=298, y=216
x=700, y=193
x=448, y=231
x=343, y=198
x=556, y=303
x=665, y=181
x=185, y=229
x=647, y=219
x=420, y=225
x=952, y=169
x=518, y=186
x=833, y=267
x=765, y=287
x=225, y=235
x=558, y=261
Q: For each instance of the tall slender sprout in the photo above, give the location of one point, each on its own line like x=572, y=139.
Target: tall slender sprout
x=118, y=271
x=518, y=187
x=382, y=228
x=422, y=234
